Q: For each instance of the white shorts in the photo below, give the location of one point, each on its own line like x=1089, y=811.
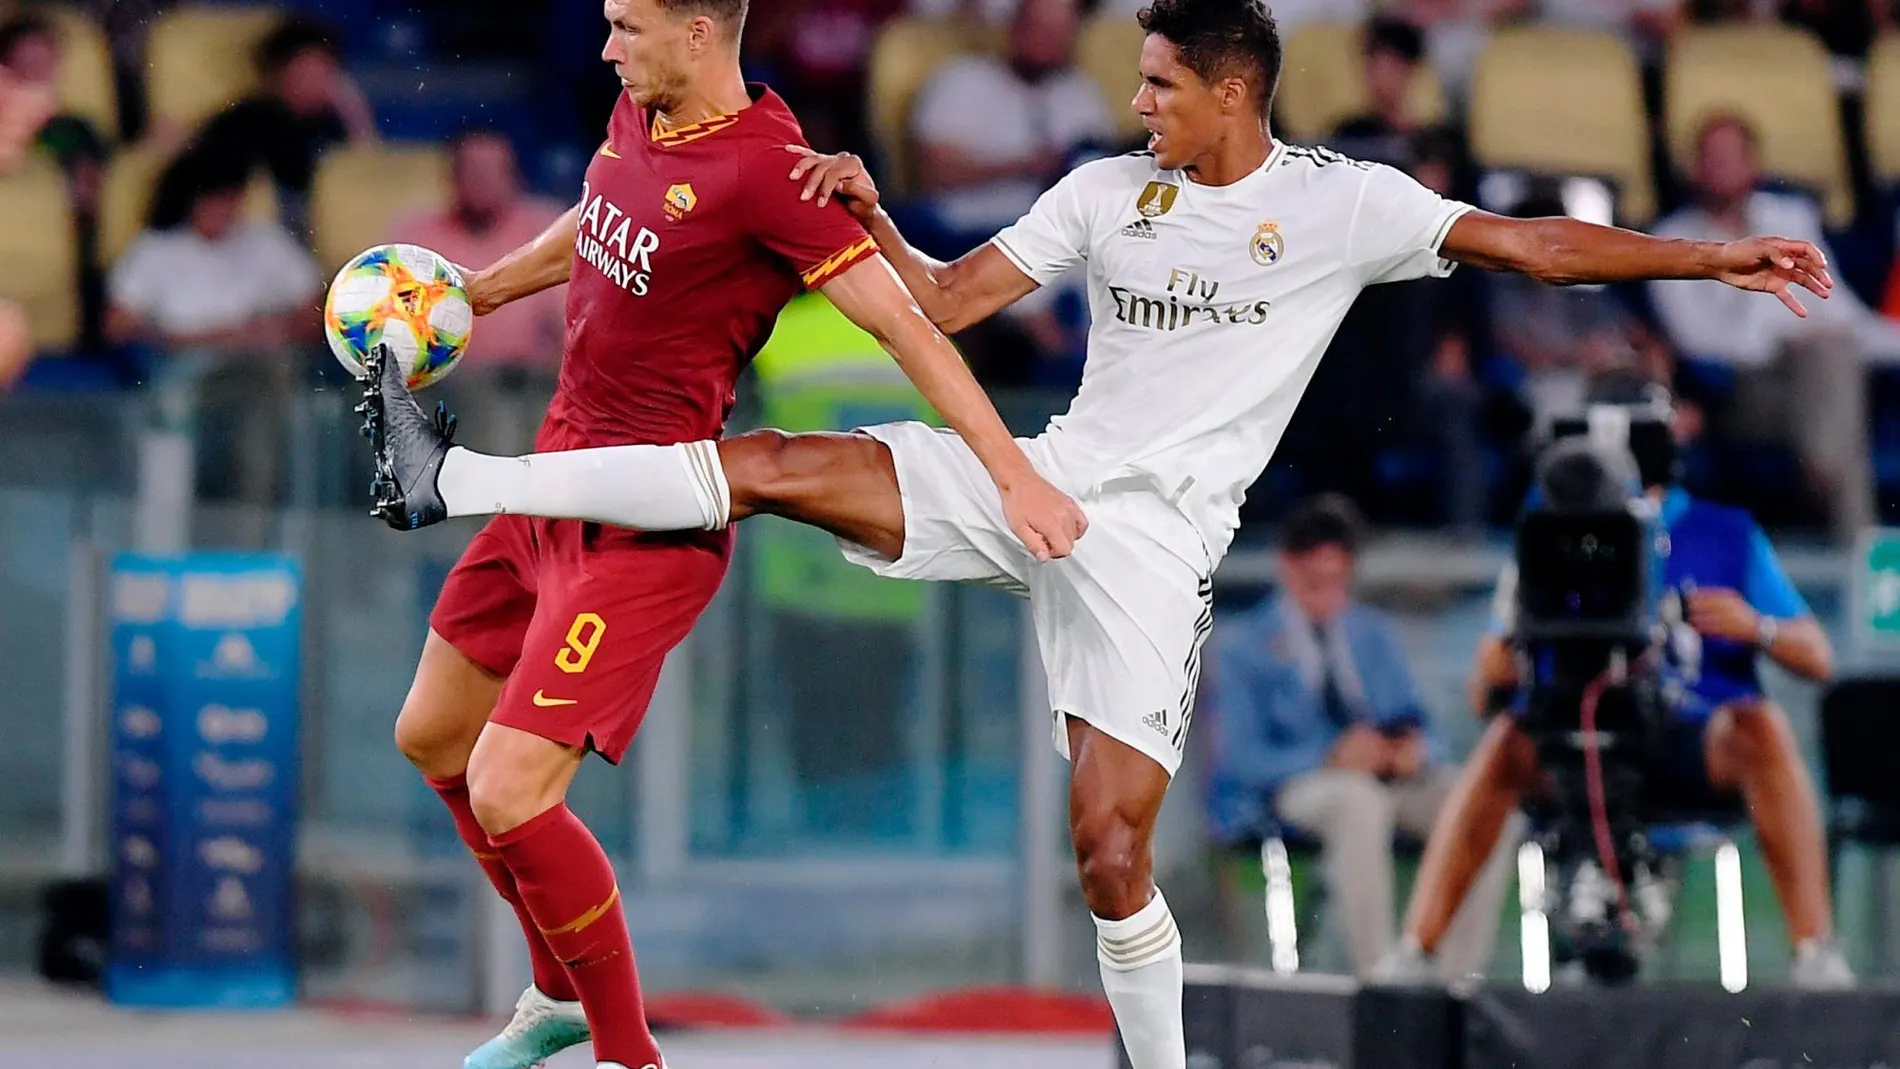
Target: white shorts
x=1119, y=622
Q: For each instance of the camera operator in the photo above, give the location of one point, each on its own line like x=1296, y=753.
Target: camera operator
x=1724, y=736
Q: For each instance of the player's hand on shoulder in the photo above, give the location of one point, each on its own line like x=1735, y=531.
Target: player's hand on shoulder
x=841, y=175
x=1775, y=265
x=1047, y=520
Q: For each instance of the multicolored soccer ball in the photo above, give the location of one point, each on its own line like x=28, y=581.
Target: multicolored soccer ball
x=403, y=296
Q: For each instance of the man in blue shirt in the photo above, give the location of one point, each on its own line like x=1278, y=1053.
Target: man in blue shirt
x=1725, y=738
x=1317, y=726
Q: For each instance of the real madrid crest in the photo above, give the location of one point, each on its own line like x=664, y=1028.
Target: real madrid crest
x=1156, y=198
x=1267, y=246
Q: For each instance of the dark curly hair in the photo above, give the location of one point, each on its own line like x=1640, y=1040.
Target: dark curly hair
x=1221, y=39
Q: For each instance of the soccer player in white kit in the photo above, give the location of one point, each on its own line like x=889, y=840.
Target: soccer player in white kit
x=1219, y=264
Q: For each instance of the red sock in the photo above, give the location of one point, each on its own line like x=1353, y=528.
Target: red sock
x=549, y=974
x=569, y=887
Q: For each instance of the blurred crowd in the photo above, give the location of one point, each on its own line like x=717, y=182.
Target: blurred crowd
x=214, y=164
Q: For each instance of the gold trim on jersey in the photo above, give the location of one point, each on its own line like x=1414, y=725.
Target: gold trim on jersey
x=666, y=136
x=838, y=261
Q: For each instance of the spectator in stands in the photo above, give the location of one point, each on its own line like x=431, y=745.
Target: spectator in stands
x=1645, y=24
x=222, y=302
x=1564, y=338
x=517, y=349
x=24, y=110
x=1319, y=726
x=1773, y=376
x=305, y=104
x=1456, y=32
x=994, y=12
x=29, y=54
x=818, y=52
x=203, y=276
x=993, y=133
x=1394, y=48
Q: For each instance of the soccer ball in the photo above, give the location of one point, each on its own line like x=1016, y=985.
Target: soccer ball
x=403, y=296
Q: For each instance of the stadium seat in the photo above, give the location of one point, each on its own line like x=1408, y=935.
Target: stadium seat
x=85, y=71
x=126, y=199
x=1779, y=79
x=360, y=191
x=201, y=58
x=38, y=252
x=1323, y=82
x=1109, y=51
x=1883, y=109
x=907, y=51
x=1560, y=103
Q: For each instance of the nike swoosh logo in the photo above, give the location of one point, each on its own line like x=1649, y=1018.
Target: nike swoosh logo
x=544, y=701
x=607, y=150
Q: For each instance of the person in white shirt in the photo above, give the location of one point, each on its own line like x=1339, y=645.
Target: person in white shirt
x=224, y=301
x=1803, y=381
x=1219, y=263
x=205, y=276
x=992, y=133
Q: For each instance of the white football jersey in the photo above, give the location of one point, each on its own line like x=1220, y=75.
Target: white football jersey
x=1210, y=307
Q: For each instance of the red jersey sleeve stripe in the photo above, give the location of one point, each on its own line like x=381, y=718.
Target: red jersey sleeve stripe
x=836, y=264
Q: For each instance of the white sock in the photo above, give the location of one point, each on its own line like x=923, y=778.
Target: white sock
x=1141, y=971
x=647, y=487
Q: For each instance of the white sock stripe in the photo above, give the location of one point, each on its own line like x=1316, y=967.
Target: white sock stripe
x=722, y=491
x=1163, y=944
x=709, y=482
x=1160, y=933
x=1127, y=940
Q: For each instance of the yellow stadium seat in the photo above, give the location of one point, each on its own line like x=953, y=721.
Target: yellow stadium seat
x=1779, y=80
x=85, y=65
x=1108, y=50
x=1322, y=82
x=1883, y=108
x=126, y=199
x=39, y=258
x=1560, y=103
x=906, y=53
x=203, y=58
x=359, y=192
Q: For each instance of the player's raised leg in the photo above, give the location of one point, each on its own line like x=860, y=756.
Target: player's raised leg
x=1115, y=794
x=843, y=483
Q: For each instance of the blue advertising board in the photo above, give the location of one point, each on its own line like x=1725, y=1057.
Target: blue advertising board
x=205, y=676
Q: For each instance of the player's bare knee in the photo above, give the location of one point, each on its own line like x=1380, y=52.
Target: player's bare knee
x=501, y=802
x=1112, y=857
x=756, y=470
x=515, y=776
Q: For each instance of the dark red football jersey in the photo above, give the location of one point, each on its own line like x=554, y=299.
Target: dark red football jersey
x=691, y=240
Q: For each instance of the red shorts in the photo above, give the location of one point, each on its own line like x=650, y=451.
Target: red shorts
x=579, y=618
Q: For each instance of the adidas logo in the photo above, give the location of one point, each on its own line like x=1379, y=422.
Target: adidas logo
x=1157, y=719
x=1140, y=228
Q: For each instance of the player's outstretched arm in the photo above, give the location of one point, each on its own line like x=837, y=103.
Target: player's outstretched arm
x=1565, y=251
x=956, y=296
x=870, y=295
x=540, y=264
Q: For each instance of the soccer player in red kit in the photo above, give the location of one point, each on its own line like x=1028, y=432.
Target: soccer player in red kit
x=548, y=636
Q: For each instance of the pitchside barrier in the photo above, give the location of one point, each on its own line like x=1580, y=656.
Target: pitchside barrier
x=1253, y=1019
